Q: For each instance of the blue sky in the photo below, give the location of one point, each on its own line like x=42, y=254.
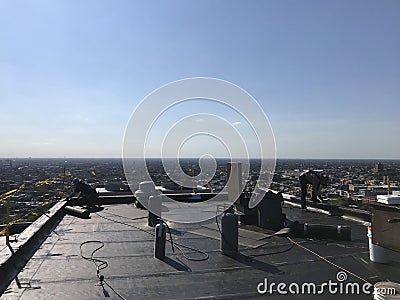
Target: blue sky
x=326, y=73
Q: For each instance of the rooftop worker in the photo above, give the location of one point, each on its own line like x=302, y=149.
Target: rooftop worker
x=316, y=179
x=85, y=192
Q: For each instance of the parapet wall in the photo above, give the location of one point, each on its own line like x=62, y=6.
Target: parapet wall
x=13, y=257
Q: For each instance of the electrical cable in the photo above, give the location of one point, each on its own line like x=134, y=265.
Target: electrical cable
x=272, y=253
x=100, y=264
x=132, y=219
x=170, y=235
x=177, y=245
x=123, y=223
x=328, y=261
x=117, y=293
x=206, y=256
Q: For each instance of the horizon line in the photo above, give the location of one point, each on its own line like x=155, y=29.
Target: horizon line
x=113, y=157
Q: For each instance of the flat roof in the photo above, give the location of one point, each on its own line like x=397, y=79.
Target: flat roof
x=57, y=270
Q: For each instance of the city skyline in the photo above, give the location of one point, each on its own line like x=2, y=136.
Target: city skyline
x=326, y=74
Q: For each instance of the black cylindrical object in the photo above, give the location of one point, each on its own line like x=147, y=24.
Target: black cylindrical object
x=229, y=234
x=77, y=212
x=154, y=210
x=320, y=231
x=160, y=239
x=152, y=219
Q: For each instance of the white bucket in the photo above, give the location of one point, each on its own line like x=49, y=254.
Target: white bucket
x=386, y=290
x=377, y=253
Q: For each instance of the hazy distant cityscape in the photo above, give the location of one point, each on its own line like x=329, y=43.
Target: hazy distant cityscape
x=353, y=183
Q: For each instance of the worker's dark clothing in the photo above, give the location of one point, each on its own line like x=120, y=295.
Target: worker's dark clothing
x=87, y=193
x=313, y=178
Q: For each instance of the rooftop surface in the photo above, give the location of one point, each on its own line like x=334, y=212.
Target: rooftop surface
x=58, y=271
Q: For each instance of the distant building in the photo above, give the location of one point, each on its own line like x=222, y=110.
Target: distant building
x=170, y=187
x=344, y=193
x=367, y=193
x=378, y=167
x=354, y=188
